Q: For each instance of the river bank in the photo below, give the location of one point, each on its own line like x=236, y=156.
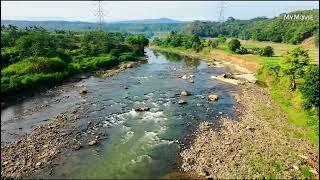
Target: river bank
x=259, y=143
x=66, y=132
x=256, y=144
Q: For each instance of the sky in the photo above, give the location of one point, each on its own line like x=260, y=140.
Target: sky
x=129, y=10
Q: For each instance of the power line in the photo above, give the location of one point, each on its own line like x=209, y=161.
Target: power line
x=221, y=11
x=100, y=13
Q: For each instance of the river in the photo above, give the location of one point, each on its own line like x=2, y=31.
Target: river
x=139, y=144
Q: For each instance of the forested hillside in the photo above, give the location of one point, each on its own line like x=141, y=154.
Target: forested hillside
x=278, y=29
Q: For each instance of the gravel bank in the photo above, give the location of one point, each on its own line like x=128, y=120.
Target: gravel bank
x=259, y=143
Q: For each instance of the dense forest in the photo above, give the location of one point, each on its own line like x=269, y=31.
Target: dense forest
x=278, y=29
x=33, y=57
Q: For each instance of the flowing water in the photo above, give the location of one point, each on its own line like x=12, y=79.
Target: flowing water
x=139, y=144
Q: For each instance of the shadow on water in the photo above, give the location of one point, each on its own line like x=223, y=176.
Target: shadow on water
x=144, y=144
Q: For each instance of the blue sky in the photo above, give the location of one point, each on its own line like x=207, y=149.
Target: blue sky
x=127, y=10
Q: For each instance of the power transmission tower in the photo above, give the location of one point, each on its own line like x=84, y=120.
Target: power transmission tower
x=99, y=13
x=221, y=11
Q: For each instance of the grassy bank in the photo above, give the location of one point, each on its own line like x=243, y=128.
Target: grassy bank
x=34, y=59
x=289, y=101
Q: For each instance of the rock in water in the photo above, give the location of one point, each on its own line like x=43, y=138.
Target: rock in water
x=91, y=143
x=213, y=97
x=130, y=65
x=142, y=109
x=182, y=101
x=184, y=93
x=83, y=91
x=185, y=77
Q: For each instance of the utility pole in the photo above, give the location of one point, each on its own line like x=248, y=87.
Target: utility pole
x=99, y=13
x=221, y=11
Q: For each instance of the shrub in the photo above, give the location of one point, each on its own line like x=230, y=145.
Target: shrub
x=310, y=88
x=221, y=39
x=234, y=44
x=267, y=51
x=241, y=50
x=35, y=65
x=213, y=43
x=93, y=63
x=126, y=57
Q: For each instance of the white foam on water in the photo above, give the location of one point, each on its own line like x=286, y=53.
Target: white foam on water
x=151, y=139
x=167, y=104
x=133, y=113
x=155, y=104
x=127, y=136
x=156, y=117
x=142, y=159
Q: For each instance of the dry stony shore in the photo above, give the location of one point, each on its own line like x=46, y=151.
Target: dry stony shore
x=257, y=144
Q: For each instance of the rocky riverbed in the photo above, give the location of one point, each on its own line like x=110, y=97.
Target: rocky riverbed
x=37, y=151
x=256, y=144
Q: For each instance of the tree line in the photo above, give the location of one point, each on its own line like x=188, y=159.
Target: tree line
x=278, y=29
x=34, y=57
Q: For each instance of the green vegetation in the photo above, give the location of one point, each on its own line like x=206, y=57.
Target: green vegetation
x=294, y=64
x=186, y=41
x=234, y=45
x=267, y=51
x=35, y=58
x=278, y=29
x=281, y=73
x=302, y=104
x=147, y=29
x=310, y=88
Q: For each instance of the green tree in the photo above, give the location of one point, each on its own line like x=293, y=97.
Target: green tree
x=36, y=43
x=234, y=44
x=310, y=87
x=294, y=64
x=267, y=51
x=213, y=43
x=222, y=39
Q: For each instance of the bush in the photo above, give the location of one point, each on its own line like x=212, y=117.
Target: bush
x=266, y=51
x=241, y=50
x=35, y=65
x=221, y=39
x=234, y=44
x=213, y=43
x=93, y=63
x=127, y=57
x=310, y=87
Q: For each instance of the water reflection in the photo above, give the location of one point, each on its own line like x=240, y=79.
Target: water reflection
x=172, y=57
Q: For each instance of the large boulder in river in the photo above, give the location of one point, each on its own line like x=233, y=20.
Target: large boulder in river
x=213, y=97
x=184, y=93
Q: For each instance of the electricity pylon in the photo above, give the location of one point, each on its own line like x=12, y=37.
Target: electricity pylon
x=221, y=11
x=99, y=13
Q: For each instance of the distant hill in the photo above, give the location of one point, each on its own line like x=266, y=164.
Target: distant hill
x=132, y=26
x=152, y=21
